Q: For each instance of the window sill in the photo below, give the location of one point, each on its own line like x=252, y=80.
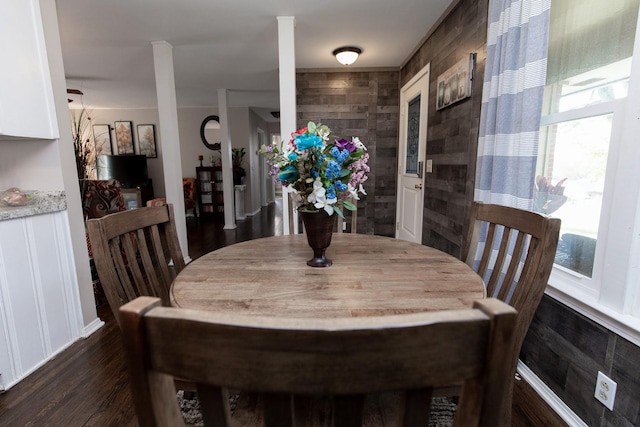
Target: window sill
x=586, y=304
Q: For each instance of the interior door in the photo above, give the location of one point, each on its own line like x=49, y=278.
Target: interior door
x=414, y=98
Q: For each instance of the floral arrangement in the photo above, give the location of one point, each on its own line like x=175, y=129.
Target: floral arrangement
x=325, y=171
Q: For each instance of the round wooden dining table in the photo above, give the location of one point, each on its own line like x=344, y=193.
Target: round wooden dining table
x=370, y=276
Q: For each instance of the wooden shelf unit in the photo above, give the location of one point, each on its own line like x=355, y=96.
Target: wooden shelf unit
x=210, y=195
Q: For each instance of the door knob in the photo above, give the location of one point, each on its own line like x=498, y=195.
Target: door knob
x=418, y=186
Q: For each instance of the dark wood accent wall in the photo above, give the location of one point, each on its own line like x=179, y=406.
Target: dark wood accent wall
x=452, y=134
x=566, y=350
x=363, y=104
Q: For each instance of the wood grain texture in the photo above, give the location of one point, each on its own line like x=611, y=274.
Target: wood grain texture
x=344, y=358
x=518, y=273
x=133, y=251
x=87, y=384
x=370, y=276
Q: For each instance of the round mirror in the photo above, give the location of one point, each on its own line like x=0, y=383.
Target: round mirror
x=210, y=132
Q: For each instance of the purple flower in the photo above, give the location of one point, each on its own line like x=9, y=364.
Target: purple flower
x=343, y=144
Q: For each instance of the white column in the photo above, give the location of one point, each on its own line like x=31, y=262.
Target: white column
x=227, y=170
x=68, y=169
x=169, y=148
x=287, y=65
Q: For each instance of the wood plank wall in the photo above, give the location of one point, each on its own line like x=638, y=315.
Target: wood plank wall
x=366, y=104
x=363, y=104
x=452, y=135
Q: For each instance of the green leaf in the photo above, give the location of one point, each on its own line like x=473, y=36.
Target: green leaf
x=357, y=154
x=311, y=127
x=344, y=172
x=350, y=206
x=338, y=211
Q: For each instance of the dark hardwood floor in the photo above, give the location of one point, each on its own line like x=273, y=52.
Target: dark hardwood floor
x=87, y=384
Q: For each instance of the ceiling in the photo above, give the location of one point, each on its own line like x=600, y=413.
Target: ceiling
x=225, y=44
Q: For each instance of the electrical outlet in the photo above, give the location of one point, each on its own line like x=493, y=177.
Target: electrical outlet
x=344, y=225
x=606, y=390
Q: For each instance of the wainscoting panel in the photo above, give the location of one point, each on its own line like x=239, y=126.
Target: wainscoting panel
x=566, y=350
x=39, y=301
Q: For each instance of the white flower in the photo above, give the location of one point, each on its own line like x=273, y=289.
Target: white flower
x=358, y=143
x=319, y=198
x=361, y=190
x=318, y=192
x=324, y=132
x=353, y=193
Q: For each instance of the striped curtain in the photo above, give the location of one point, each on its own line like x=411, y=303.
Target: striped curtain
x=512, y=96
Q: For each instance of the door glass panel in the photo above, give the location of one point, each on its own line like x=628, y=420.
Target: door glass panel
x=413, y=136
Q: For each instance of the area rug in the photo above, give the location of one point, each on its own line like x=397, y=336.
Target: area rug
x=442, y=410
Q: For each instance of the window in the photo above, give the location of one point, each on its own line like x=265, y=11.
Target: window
x=588, y=165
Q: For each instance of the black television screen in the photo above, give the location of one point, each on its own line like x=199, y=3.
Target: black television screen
x=130, y=170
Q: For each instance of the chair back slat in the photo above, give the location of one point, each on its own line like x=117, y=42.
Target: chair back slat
x=126, y=288
x=214, y=403
x=487, y=252
x=352, y=214
x=418, y=406
x=511, y=277
x=347, y=359
x=133, y=251
x=149, y=268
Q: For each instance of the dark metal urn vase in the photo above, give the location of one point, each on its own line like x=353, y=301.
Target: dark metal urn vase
x=318, y=226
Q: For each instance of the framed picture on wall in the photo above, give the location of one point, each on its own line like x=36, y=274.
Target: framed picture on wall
x=455, y=84
x=147, y=140
x=102, y=139
x=124, y=137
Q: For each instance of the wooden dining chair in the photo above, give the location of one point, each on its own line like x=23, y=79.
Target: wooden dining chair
x=513, y=250
x=517, y=252
x=285, y=359
x=354, y=219
x=136, y=253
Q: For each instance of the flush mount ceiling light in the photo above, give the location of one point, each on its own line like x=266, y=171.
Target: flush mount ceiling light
x=347, y=55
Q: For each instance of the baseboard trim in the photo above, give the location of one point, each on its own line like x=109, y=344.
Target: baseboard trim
x=92, y=327
x=550, y=397
x=86, y=331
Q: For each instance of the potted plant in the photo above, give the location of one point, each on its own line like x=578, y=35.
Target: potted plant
x=237, y=158
x=326, y=172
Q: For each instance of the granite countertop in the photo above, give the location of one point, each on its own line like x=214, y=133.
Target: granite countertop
x=42, y=202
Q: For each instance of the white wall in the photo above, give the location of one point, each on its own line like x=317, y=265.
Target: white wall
x=240, y=130
x=30, y=165
x=252, y=199
x=191, y=145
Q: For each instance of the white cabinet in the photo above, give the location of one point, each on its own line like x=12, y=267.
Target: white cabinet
x=26, y=97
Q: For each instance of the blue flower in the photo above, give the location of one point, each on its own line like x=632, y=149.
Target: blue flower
x=340, y=186
x=331, y=192
x=305, y=142
x=339, y=155
x=319, y=171
x=333, y=170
